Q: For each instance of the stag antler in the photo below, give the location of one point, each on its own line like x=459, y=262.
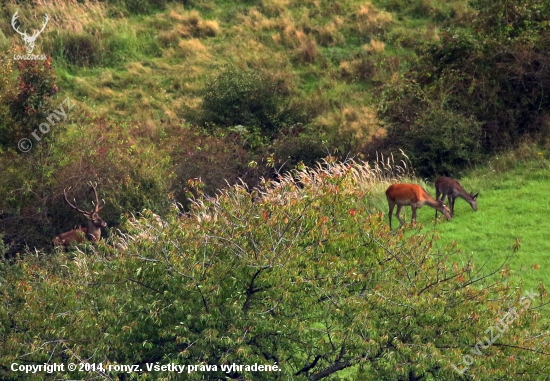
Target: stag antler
x=71, y=205
x=96, y=203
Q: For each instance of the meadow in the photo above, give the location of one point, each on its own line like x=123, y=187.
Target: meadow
x=510, y=225
x=508, y=231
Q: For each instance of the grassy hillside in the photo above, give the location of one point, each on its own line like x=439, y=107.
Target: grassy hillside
x=150, y=67
x=225, y=90
x=165, y=93
x=173, y=103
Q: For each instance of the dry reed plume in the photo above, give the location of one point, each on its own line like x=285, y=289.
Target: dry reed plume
x=358, y=177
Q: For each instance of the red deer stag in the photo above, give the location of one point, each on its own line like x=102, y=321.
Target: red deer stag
x=93, y=230
x=415, y=196
x=452, y=189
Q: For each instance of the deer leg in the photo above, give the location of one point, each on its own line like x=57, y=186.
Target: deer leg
x=452, y=204
x=438, y=193
x=398, y=215
x=413, y=218
x=392, y=205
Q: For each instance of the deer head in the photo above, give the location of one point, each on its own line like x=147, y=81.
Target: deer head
x=29, y=40
x=92, y=232
x=444, y=209
x=473, y=203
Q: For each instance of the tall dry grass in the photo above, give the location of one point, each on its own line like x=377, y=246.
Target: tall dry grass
x=369, y=20
x=69, y=15
x=358, y=185
x=180, y=24
x=362, y=181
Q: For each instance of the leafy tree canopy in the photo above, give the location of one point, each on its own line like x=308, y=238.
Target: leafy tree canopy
x=300, y=274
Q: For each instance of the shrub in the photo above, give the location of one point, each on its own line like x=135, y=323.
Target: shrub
x=300, y=274
x=439, y=142
x=491, y=82
x=243, y=97
x=81, y=49
x=297, y=145
x=25, y=99
x=131, y=175
x=512, y=18
x=216, y=158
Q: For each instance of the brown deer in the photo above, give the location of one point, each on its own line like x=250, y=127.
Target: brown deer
x=92, y=232
x=451, y=188
x=415, y=196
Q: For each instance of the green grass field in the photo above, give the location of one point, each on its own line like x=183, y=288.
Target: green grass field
x=509, y=226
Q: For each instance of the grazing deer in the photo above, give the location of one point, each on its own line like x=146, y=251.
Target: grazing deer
x=93, y=230
x=452, y=189
x=415, y=196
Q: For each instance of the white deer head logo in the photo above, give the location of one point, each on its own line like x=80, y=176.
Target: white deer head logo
x=29, y=40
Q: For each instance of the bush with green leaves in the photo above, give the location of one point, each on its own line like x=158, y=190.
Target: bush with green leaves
x=300, y=274
x=130, y=173
x=244, y=97
x=491, y=82
x=25, y=98
x=439, y=141
x=301, y=145
x=512, y=18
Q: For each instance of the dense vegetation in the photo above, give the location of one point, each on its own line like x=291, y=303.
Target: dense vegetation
x=164, y=93
x=477, y=91
x=304, y=277
x=167, y=104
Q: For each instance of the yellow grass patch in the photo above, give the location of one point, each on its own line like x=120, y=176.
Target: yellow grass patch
x=192, y=47
x=275, y=7
x=179, y=23
x=192, y=20
x=359, y=122
x=256, y=20
x=361, y=68
x=371, y=20
x=192, y=50
x=329, y=34
x=375, y=46
x=137, y=69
